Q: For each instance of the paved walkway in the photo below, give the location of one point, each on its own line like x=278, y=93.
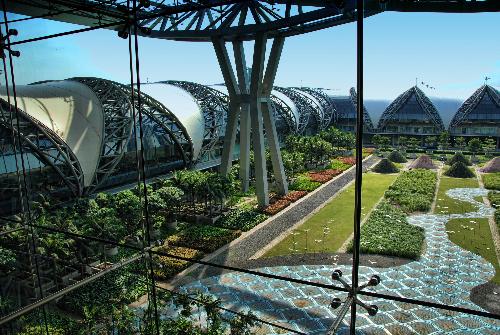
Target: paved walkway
x=445, y=274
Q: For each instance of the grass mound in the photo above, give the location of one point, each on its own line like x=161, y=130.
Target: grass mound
x=385, y=166
x=492, y=166
x=386, y=232
x=422, y=162
x=459, y=170
x=397, y=157
x=458, y=157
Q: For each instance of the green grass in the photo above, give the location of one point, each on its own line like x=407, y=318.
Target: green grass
x=478, y=240
x=336, y=215
x=447, y=205
x=492, y=181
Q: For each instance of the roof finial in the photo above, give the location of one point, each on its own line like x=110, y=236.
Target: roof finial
x=486, y=80
x=416, y=82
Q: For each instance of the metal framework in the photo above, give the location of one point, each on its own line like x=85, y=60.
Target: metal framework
x=215, y=109
x=283, y=111
x=118, y=122
x=423, y=101
x=329, y=112
x=45, y=144
x=367, y=120
x=471, y=103
x=305, y=109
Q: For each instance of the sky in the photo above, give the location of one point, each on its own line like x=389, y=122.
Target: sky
x=451, y=52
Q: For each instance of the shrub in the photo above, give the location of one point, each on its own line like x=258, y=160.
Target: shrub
x=494, y=198
x=276, y=207
x=492, y=181
x=386, y=232
x=458, y=157
x=166, y=267
x=304, y=183
x=459, y=170
x=338, y=165
x=205, y=238
x=242, y=219
x=385, y=166
x=348, y=160
x=413, y=190
x=396, y=157
x=40, y=329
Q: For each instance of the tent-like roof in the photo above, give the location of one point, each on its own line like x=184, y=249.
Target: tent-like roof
x=345, y=109
x=414, y=107
x=483, y=106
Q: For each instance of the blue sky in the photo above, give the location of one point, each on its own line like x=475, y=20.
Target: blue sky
x=452, y=52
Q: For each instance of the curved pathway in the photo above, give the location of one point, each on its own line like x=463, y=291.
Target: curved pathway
x=445, y=273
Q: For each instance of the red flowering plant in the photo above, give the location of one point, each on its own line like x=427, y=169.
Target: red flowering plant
x=348, y=160
x=276, y=207
x=294, y=195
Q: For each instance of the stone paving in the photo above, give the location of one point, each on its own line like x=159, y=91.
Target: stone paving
x=445, y=273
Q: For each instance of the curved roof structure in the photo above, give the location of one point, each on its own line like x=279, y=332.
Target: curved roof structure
x=412, y=107
x=182, y=106
x=73, y=112
x=326, y=105
x=285, y=110
x=481, y=108
x=305, y=111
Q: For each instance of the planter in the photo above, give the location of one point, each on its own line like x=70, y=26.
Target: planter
x=110, y=251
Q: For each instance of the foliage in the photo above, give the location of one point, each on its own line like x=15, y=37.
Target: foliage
x=348, y=160
x=387, y=232
x=7, y=258
x=294, y=195
x=337, y=164
x=413, y=143
x=205, y=238
x=128, y=207
x=413, y=190
x=475, y=145
x=385, y=166
x=402, y=142
x=494, y=198
x=381, y=142
x=460, y=142
x=492, y=181
x=396, y=157
x=324, y=175
x=459, y=170
x=276, y=207
x=40, y=329
x=489, y=146
x=458, y=157
x=430, y=141
x=444, y=140
x=166, y=267
x=293, y=162
x=103, y=222
x=338, y=138
x=241, y=219
x=304, y=183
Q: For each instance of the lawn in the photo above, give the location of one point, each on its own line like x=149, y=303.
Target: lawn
x=447, y=205
x=477, y=240
x=337, y=215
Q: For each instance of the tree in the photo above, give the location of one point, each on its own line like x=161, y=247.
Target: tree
x=460, y=143
x=444, y=140
x=430, y=141
x=403, y=142
x=381, y=142
x=293, y=162
x=489, y=146
x=128, y=207
x=413, y=143
x=475, y=145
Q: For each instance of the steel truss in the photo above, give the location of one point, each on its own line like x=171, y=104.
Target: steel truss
x=164, y=121
x=470, y=104
x=45, y=144
x=117, y=112
x=214, y=105
x=329, y=112
x=367, y=120
x=304, y=107
x=283, y=111
x=422, y=100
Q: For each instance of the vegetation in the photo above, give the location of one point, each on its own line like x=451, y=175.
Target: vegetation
x=475, y=236
x=385, y=166
x=167, y=267
x=459, y=170
x=413, y=191
x=205, y=238
x=381, y=142
x=387, y=232
x=492, y=181
x=447, y=205
x=397, y=157
x=494, y=198
x=241, y=219
x=303, y=183
x=458, y=157
x=332, y=225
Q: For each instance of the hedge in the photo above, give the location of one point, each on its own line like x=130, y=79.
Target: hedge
x=205, y=238
x=397, y=157
x=413, y=190
x=241, y=219
x=304, y=183
x=386, y=232
x=166, y=267
x=492, y=181
x=459, y=170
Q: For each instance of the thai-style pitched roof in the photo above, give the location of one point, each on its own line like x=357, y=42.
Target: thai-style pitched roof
x=482, y=106
x=345, y=108
x=411, y=106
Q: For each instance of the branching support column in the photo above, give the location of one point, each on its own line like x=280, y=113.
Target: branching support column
x=250, y=98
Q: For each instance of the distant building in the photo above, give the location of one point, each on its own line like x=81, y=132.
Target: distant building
x=479, y=115
x=411, y=114
x=345, y=106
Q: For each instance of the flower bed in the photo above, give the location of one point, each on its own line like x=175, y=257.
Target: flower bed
x=492, y=181
x=166, y=267
x=413, y=190
x=336, y=164
x=276, y=207
x=324, y=175
x=387, y=232
x=205, y=238
x=348, y=160
x=241, y=218
x=294, y=195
